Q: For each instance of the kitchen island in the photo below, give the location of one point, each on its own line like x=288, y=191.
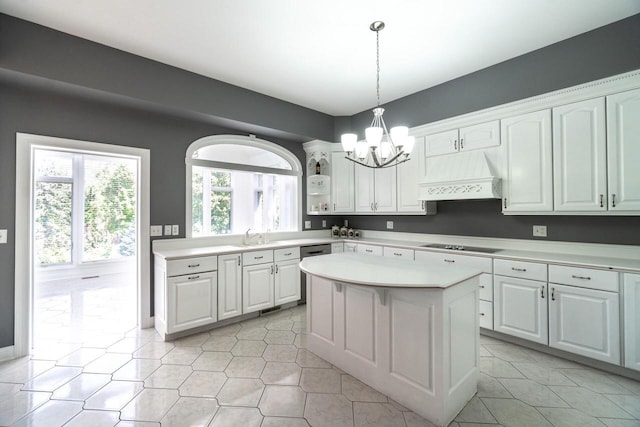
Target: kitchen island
x=407, y=329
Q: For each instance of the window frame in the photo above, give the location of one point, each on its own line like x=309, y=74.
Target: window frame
x=251, y=141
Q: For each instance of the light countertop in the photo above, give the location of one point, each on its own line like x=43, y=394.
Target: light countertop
x=383, y=272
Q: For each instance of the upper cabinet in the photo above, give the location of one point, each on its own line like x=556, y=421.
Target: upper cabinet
x=318, y=171
x=526, y=144
x=376, y=189
x=482, y=135
x=342, y=183
x=580, y=157
x=407, y=176
x=623, y=150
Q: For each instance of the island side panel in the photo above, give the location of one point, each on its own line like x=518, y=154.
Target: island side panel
x=400, y=341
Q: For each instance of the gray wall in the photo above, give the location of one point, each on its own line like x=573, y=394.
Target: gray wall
x=55, y=84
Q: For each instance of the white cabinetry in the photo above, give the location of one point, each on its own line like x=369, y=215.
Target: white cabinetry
x=369, y=249
x=342, y=183
x=337, y=247
x=318, y=176
x=520, y=299
x=473, y=137
x=526, y=144
x=398, y=253
x=375, y=189
x=257, y=281
x=287, y=277
x=580, y=156
x=623, y=150
x=409, y=174
x=350, y=247
x=229, y=286
x=584, y=320
x=632, y=321
x=483, y=264
x=185, y=293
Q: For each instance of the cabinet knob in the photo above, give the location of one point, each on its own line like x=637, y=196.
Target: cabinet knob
x=481, y=314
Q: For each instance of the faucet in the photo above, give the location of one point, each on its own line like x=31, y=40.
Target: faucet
x=249, y=238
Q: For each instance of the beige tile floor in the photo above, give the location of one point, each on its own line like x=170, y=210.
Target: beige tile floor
x=259, y=373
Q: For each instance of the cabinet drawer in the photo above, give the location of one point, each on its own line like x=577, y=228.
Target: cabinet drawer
x=286, y=253
x=584, y=277
x=369, y=250
x=398, y=253
x=468, y=261
x=486, y=314
x=179, y=267
x=486, y=287
x=522, y=269
x=257, y=257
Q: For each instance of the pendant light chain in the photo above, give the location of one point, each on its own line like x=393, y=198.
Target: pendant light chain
x=378, y=65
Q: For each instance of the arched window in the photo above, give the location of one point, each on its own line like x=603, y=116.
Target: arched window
x=236, y=182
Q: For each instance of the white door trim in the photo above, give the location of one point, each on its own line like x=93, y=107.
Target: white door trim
x=25, y=144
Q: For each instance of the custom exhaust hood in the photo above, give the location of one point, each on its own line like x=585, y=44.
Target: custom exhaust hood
x=460, y=176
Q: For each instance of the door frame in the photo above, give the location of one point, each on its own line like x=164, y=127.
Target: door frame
x=25, y=145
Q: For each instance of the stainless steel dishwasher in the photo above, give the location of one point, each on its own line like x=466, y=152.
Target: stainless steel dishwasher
x=307, y=251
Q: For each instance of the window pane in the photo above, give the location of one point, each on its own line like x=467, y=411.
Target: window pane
x=109, y=208
x=242, y=155
x=53, y=164
x=53, y=203
x=220, y=212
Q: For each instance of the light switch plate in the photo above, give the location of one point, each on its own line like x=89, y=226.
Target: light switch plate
x=3, y=236
x=324, y=223
x=167, y=230
x=346, y=222
x=389, y=225
x=156, y=230
x=307, y=224
x=175, y=229
x=539, y=231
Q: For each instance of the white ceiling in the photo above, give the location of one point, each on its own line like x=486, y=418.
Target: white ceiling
x=321, y=54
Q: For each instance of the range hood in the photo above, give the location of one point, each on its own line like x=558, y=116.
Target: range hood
x=460, y=176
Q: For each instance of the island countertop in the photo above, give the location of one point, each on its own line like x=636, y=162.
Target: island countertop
x=384, y=272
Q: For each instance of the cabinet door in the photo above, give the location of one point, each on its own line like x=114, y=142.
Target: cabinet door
x=337, y=247
x=526, y=144
x=191, y=301
x=632, y=321
x=287, y=282
x=342, y=183
x=364, y=189
x=580, y=157
x=229, y=286
x=385, y=189
x=441, y=143
x=257, y=287
x=409, y=174
x=350, y=247
x=585, y=322
x=520, y=308
x=482, y=135
x=623, y=150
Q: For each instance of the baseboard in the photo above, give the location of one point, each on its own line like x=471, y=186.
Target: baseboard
x=7, y=353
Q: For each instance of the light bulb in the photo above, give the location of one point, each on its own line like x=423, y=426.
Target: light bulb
x=385, y=150
x=399, y=134
x=373, y=136
x=349, y=141
x=361, y=150
x=409, y=143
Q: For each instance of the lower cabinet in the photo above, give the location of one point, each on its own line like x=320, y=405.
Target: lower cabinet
x=632, y=321
x=585, y=321
x=192, y=301
x=363, y=249
x=287, y=281
x=520, y=308
x=257, y=287
x=229, y=286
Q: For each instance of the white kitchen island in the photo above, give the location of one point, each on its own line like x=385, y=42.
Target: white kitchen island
x=408, y=329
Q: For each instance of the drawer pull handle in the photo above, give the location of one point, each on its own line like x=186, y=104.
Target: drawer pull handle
x=462, y=143
x=601, y=200
x=193, y=265
x=276, y=269
x=481, y=286
x=581, y=277
x=272, y=270
x=288, y=254
x=449, y=260
x=553, y=294
x=397, y=254
x=613, y=200
x=519, y=269
x=193, y=277
x=238, y=259
x=258, y=257
x=369, y=250
x=481, y=314
x=542, y=292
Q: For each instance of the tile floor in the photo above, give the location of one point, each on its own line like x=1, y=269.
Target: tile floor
x=258, y=373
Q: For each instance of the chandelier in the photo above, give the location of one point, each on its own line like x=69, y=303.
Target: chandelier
x=380, y=148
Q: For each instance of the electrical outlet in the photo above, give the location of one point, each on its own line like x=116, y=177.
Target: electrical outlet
x=175, y=229
x=156, y=230
x=389, y=225
x=307, y=224
x=167, y=230
x=346, y=222
x=3, y=236
x=324, y=223
x=539, y=231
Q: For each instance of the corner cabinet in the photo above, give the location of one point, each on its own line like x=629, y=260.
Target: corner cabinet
x=623, y=150
x=342, y=184
x=185, y=293
x=526, y=141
